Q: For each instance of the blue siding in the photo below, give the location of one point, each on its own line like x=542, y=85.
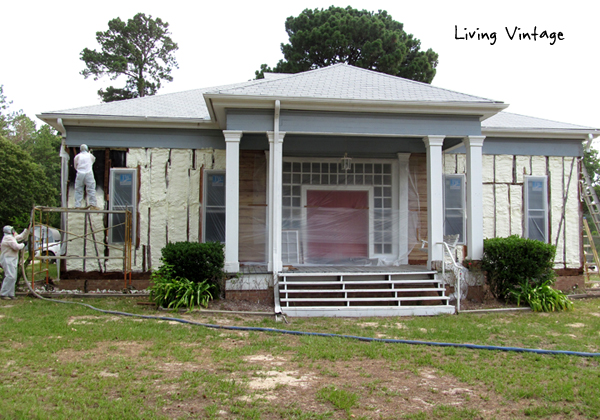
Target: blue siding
x=529, y=147
x=145, y=137
x=250, y=119
x=384, y=124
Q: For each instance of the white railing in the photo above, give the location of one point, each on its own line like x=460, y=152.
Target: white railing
x=459, y=273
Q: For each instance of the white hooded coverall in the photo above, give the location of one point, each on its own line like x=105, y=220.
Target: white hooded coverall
x=9, y=258
x=85, y=176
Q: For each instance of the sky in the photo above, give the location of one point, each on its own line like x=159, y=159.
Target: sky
x=223, y=42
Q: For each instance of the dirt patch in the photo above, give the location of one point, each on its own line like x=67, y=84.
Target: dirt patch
x=104, y=350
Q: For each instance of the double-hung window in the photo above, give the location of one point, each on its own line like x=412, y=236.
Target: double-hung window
x=123, y=196
x=214, y=206
x=454, y=206
x=536, y=208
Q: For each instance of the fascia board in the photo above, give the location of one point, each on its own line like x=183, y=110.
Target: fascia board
x=567, y=134
x=218, y=102
x=122, y=121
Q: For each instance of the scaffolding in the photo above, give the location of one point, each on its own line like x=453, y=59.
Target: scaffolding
x=97, y=237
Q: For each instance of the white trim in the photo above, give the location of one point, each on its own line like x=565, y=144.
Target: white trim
x=474, y=151
x=544, y=179
x=114, y=207
x=232, y=200
x=435, y=191
x=463, y=209
x=207, y=173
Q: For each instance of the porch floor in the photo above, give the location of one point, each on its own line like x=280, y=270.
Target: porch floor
x=327, y=269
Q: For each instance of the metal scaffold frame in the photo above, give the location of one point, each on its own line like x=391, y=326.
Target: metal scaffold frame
x=39, y=214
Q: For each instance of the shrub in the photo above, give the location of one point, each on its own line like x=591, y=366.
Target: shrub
x=171, y=291
x=514, y=260
x=197, y=262
x=541, y=298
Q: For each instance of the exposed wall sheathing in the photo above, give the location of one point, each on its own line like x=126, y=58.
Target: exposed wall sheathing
x=169, y=207
x=503, y=198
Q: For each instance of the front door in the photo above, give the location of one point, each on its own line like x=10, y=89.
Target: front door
x=337, y=225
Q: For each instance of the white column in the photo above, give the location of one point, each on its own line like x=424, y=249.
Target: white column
x=232, y=199
x=474, y=146
x=269, y=155
x=403, y=210
x=276, y=160
x=435, y=200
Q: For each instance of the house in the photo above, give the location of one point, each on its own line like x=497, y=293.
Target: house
x=333, y=176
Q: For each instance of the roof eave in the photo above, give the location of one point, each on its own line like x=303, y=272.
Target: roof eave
x=217, y=104
x=542, y=133
x=124, y=121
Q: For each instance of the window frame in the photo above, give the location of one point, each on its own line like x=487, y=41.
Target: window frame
x=114, y=207
x=208, y=173
x=526, y=210
x=463, y=189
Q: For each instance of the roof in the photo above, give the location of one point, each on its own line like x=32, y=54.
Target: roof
x=337, y=82
x=343, y=81
x=515, y=125
x=510, y=120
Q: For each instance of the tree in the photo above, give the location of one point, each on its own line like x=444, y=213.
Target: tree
x=23, y=184
x=29, y=166
x=139, y=49
x=322, y=37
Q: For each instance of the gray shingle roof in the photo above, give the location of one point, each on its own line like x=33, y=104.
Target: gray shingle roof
x=342, y=81
x=508, y=120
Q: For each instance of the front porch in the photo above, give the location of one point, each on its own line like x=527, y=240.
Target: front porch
x=337, y=240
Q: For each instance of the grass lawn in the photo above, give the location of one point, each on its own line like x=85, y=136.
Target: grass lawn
x=69, y=362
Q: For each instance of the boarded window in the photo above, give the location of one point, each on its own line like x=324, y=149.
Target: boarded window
x=454, y=206
x=214, y=206
x=536, y=208
x=123, y=196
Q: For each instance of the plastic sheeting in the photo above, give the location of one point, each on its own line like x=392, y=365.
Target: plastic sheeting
x=336, y=217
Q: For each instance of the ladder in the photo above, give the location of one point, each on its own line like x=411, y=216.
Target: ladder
x=589, y=246
x=589, y=250
x=590, y=198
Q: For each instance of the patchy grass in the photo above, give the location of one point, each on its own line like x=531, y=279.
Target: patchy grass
x=66, y=361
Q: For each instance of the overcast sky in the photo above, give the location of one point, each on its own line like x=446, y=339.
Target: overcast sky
x=224, y=42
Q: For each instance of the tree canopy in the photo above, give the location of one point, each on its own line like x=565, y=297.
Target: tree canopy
x=322, y=37
x=30, y=166
x=140, y=49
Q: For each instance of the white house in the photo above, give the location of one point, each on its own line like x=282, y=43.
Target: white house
x=337, y=185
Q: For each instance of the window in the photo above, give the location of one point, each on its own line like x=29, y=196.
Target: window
x=454, y=206
x=214, y=206
x=536, y=208
x=123, y=196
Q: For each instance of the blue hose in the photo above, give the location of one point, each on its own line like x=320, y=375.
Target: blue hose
x=353, y=337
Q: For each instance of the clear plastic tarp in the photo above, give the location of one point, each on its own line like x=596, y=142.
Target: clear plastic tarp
x=333, y=216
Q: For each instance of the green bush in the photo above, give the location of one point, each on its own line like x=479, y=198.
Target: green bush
x=541, y=298
x=197, y=262
x=508, y=262
x=171, y=291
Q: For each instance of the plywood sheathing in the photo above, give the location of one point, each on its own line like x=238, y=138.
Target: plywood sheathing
x=503, y=195
x=417, y=203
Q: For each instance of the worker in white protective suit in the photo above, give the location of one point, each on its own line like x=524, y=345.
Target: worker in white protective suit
x=9, y=258
x=85, y=176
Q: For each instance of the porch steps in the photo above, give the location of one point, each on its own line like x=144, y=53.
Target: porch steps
x=360, y=294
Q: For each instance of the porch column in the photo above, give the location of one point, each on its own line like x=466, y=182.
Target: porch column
x=275, y=191
x=474, y=146
x=435, y=201
x=232, y=199
x=403, y=210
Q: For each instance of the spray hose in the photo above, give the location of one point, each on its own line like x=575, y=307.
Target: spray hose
x=313, y=334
